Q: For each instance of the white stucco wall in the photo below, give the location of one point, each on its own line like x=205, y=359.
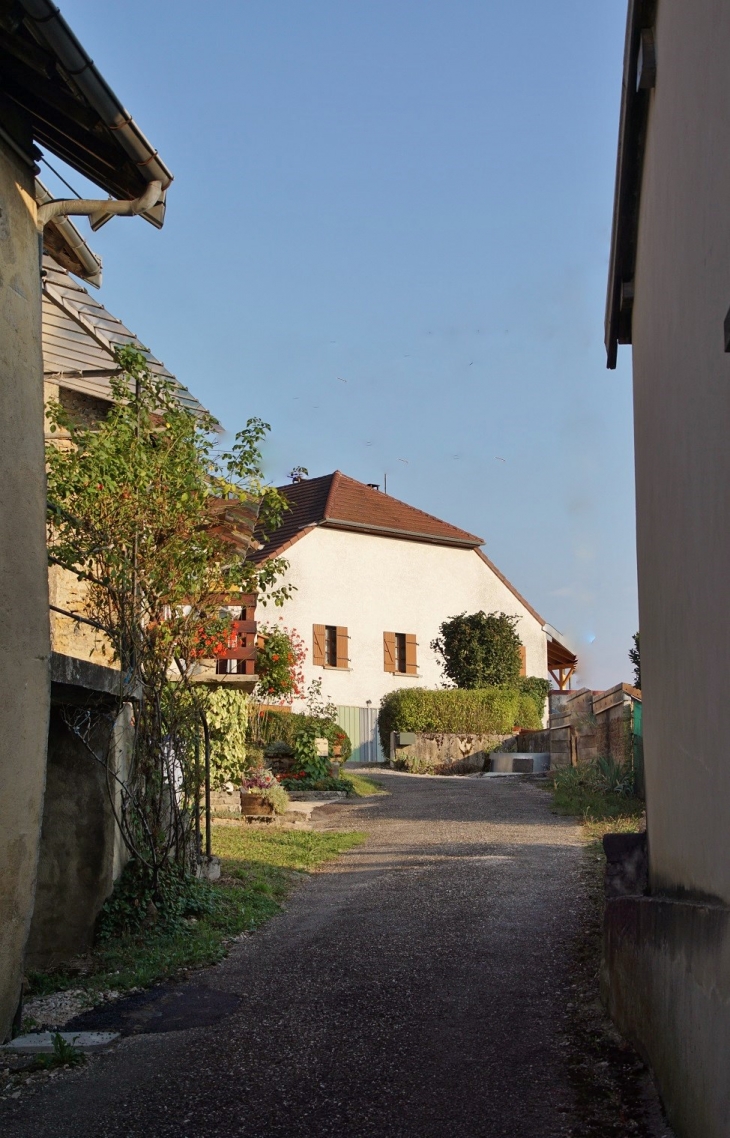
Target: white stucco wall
x=682, y=433
x=374, y=585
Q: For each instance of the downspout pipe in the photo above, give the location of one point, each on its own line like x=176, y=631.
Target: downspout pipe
x=99, y=211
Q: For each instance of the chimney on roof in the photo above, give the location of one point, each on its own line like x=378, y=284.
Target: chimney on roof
x=373, y=485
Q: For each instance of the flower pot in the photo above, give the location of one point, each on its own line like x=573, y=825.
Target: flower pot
x=255, y=804
x=337, y=751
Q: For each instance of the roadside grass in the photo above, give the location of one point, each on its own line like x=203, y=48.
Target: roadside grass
x=579, y=792
x=259, y=869
x=585, y=792
x=364, y=787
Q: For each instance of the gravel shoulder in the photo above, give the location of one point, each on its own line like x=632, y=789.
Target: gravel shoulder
x=437, y=981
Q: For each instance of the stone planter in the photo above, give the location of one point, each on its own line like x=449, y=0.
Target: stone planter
x=255, y=805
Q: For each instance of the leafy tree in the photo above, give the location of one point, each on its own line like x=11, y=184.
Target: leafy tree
x=479, y=650
x=155, y=522
x=635, y=658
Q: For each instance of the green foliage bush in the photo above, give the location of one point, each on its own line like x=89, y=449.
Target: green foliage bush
x=136, y=902
x=326, y=783
x=227, y=715
x=477, y=711
x=479, y=650
x=277, y=796
x=267, y=727
x=537, y=688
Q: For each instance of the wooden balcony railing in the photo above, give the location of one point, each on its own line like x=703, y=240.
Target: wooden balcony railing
x=239, y=657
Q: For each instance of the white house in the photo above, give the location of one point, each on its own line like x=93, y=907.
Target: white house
x=374, y=579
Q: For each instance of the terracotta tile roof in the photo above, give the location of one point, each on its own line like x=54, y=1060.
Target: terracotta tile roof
x=339, y=502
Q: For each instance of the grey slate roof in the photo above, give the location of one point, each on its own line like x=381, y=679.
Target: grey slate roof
x=79, y=336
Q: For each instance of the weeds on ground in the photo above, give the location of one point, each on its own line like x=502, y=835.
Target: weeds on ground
x=64, y=1054
x=608, y=1077
x=259, y=869
x=363, y=787
x=597, y=792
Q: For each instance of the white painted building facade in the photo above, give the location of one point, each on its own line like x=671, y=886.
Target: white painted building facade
x=373, y=580
x=372, y=585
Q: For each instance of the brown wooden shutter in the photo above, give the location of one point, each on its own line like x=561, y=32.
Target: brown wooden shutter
x=318, y=644
x=523, y=660
x=343, y=653
x=411, y=655
x=389, y=651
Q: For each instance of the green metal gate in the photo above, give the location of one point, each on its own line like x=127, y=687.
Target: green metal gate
x=637, y=742
x=361, y=724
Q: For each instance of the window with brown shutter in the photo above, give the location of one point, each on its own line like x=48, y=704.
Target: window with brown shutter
x=318, y=638
x=343, y=647
x=331, y=646
x=523, y=660
x=400, y=653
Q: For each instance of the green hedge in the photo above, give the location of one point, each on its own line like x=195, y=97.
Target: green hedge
x=475, y=711
x=537, y=688
x=284, y=726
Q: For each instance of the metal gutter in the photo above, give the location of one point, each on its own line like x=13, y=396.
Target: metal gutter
x=98, y=211
x=89, y=263
x=389, y=531
x=635, y=103
x=50, y=27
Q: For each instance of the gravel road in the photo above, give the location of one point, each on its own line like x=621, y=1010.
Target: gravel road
x=417, y=988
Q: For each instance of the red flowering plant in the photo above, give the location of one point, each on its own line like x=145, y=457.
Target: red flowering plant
x=279, y=658
x=210, y=639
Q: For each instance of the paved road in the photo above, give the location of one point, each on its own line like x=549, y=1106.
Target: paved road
x=415, y=989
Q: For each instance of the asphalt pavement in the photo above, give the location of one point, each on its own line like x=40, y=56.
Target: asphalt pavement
x=419, y=987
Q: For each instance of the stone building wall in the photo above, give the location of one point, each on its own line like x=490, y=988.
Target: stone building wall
x=24, y=631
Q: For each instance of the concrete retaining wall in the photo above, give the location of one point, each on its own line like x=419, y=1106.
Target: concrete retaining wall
x=441, y=753
x=81, y=850
x=666, y=981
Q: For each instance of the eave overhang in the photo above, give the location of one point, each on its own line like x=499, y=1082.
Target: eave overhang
x=635, y=102
x=407, y=535
x=47, y=75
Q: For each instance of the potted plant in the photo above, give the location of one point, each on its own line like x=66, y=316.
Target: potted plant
x=261, y=795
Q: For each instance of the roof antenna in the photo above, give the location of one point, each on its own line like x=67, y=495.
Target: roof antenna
x=385, y=483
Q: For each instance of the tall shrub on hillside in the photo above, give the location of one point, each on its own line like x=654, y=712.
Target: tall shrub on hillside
x=479, y=650
x=635, y=658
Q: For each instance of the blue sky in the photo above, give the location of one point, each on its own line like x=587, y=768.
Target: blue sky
x=388, y=236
